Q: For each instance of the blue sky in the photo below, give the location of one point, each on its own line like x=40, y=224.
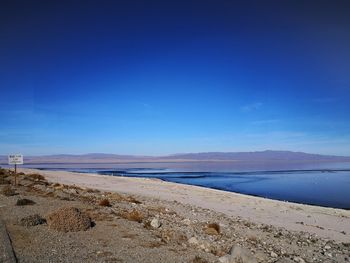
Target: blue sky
x=162, y=77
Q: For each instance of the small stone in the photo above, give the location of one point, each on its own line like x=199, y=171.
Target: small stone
x=193, y=241
x=155, y=223
x=186, y=221
x=273, y=254
x=327, y=247
x=238, y=254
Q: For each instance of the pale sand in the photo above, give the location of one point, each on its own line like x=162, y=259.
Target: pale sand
x=324, y=222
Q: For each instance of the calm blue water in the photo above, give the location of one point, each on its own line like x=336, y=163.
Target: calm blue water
x=317, y=187
x=326, y=184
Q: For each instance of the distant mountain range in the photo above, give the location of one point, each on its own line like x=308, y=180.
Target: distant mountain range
x=259, y=156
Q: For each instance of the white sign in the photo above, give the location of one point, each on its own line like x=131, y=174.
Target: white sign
x=15, y=159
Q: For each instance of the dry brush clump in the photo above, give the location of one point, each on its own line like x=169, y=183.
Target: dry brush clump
x=104, y=202
x=212, y=229
x=37, y=177
x=8, y=191
x=32, y=220
x=123, y=198
x=4, y=174
x=134, y=215
x=68, y=219
x=4, y=180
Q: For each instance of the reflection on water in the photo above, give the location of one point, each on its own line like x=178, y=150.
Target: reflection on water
x=324, y=184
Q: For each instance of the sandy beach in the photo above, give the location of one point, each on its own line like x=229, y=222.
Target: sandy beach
x=324, y=222
x=58, y=216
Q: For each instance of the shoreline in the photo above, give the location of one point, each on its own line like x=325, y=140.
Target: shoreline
x=331, y=223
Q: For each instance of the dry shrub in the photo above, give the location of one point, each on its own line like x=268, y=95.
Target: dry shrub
x=25, y=201
x=5, y=172
x=8, y=191
x=87, y=199
x=147, y=224
x=152, y=244
x=4, y=181
x=121, y=198
x=97, y=216
x=131, y=199
x=3, y=176
x=68, y=219
x=38, y=177
x=252, y=238
x=212, y=229
x=32, y=220
x=2, y=172
x=104, y=202
x=134, y=215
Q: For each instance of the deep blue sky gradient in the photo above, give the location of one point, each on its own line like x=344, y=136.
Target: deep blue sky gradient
x=159, y=77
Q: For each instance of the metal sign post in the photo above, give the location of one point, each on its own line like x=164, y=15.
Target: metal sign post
x=15, y=159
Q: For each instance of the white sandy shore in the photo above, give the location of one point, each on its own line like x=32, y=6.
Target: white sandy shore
x=325, y=222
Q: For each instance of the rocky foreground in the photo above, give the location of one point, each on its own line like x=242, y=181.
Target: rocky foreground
x=52, y=222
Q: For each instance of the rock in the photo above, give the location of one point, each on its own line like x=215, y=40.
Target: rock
x=327, y=247
x=299, y=260
x=273, y=254
x=205, y=245
x=238, y=255
x=155, y=223
x=186, y=221
x=193, y=241
x=24, y=201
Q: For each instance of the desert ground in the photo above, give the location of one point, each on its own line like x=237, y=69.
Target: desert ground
x=56, y=216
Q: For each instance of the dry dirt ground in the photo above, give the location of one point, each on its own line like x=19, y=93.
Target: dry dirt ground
x=129, y=228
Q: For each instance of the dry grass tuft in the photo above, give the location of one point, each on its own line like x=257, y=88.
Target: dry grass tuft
x=131, y=199
x=134, y=215
x=32, y=220
x=4, y=181
x=212, y=229
x=122, y=198
x=5, y=172
x=252, y=238
x=8, y=191
x=152, y=244
x=104, y=202
x=216, y=226
x=38, y=177
x=3, y=176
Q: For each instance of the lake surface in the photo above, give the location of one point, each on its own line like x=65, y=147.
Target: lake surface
x=323, y=184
